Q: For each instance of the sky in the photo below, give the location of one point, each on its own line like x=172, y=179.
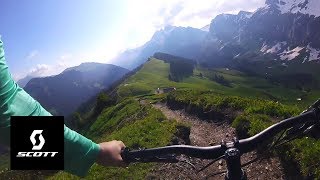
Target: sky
x=43, y=38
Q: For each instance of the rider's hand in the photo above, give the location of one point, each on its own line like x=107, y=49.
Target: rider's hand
x=110, y=154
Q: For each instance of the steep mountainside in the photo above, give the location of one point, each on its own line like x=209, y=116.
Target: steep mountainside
x=285, y=30
x=179, y=41
x=282, y=46
x=63, y=93
x=282, y=30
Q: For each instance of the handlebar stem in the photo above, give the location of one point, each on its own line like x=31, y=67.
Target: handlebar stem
x=232, y=157
x=235, y=172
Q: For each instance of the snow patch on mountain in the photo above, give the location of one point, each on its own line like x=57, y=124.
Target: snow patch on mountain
x=264, y=48
x=311, y=7
x=249, y=15
x=282, y=50
x=236, y=56
x=244, y=15
x=274, y=49
x=290, y=54
x=314, y=53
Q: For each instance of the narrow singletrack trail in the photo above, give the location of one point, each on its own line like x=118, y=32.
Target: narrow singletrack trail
x=205, y=133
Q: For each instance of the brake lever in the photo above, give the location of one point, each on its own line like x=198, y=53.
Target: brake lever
x=305, y=127
x=297, y=129
x=315, y=105
x=303, y=130
x=309, y=129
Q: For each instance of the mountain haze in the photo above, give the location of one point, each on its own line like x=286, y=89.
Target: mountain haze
x=180, y=41
x=63, y=93
x=24, y=81
x=282, y=30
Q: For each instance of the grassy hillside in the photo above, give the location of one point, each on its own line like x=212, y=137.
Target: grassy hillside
x=154, y=74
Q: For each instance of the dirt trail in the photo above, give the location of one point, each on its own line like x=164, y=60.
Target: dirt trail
x=204, y=133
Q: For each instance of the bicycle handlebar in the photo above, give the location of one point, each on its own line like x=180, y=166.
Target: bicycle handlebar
x=212, y=152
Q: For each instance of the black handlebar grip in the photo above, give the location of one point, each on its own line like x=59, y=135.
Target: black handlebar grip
x=125, y=154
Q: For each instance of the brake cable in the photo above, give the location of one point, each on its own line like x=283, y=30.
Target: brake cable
x=300, y=134
x=186, y=162
x=212, y=162
x=279, y=139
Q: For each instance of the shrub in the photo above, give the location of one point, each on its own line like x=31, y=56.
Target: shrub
x=103, y=101
x=242, y=125
x=208, y=99
x=251, y=124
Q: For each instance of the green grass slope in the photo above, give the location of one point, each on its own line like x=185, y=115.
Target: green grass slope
x=154, y=74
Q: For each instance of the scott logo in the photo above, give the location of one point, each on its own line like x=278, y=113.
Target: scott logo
x=33, y=140
x=37, y=143
x=37, y=147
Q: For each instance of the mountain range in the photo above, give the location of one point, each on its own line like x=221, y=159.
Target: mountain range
x=282, y=30
x=280, y=42
x=63, y=93
x=279, y=29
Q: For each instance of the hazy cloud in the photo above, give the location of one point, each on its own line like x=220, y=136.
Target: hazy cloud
x=62, y=62
x=145, y=16
x=43, y=70
x=40, y=70
x=200, y=13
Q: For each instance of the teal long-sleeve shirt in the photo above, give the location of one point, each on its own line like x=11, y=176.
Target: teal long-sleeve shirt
x=80, y=153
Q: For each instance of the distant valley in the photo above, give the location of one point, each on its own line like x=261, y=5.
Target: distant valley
x=63, y=93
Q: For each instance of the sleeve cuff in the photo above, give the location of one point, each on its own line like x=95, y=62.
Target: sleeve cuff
x=80, y=153
x=89, y=159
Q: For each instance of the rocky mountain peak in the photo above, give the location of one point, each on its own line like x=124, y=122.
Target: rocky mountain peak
x=309, y=7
